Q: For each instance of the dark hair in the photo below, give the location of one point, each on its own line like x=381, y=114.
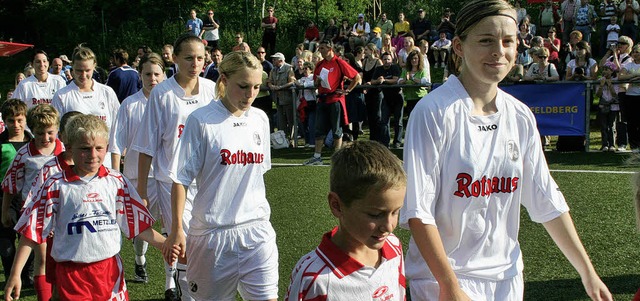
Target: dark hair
x=40, y=51
x=120, y=55
x=476, y=10
x=13, y=107
x=145, y=49
x=184, y=38
x=327, y=42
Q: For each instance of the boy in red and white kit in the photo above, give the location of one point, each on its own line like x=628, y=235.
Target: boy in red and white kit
x=87, y=206
x=360, y=259
x=43, y=120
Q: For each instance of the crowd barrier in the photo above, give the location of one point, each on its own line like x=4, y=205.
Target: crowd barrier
x=561, y=108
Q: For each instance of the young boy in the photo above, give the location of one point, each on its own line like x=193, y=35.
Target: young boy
x=43, y=120
x=85, y=205
x=43, y=263
x=360, y=259
x=12, y=139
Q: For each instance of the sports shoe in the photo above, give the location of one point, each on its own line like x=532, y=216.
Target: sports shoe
x=622, y=148
x=604, y=149
x=313, y=161
x=397, y=145
x=171, y=295
x=141, y=273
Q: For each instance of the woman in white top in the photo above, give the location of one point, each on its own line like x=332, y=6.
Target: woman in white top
x=231, y=244
x=542, y=69
x=473, y=157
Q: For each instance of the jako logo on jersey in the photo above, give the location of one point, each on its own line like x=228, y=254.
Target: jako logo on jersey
x=487, y=128
x=236, y=124
x=380, y=292
x=87, y=96
x=485, y=186
x=192, y=102
x=240, y=157
x=78, y=227
x=35, y=101
x=180, y=129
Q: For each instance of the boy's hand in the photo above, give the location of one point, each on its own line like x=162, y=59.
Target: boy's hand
x=596, y=289
x=12, y=288
x=175, y=241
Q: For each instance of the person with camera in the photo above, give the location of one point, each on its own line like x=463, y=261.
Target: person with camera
x=583, y=67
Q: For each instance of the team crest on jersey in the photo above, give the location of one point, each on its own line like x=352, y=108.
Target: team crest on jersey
x=102, y=105
x=256, y=138
x=380, y=292
x=193, y=287
x=512, y=150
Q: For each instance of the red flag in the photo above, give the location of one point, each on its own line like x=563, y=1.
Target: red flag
x=9, y=49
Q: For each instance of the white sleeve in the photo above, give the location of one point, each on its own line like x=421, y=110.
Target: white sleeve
x=56, y=102
x=421, y=163
x=190, y=153
x=19, y=92
x=267, y=143
x=553, y=70
x=149, y=134
x=119, y=131
x=541, y=195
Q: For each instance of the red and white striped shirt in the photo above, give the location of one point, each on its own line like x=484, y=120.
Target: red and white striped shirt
x=328, y=273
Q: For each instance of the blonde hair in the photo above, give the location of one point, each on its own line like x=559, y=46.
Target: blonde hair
x=85, y=126
x=42, y=116
x=233, y=63
x=81, y=53
x=364, y=167
x=627, y=40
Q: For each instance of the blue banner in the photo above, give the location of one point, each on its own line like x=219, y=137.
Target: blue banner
x=560, y=109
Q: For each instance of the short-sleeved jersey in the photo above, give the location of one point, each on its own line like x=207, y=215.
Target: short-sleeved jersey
x=86, y=216
x=24, y=168
x=338, y=69
x=101, y=102
x=163, y=121
x=227, y=155
x=468, y=175
x=51, y=167
x=124, y=131
x=328, y=273
x=32, y=92
x=125, y=81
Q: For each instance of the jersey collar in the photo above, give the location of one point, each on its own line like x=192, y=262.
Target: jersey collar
x=71, y=176
x=59, y=148
x=341, y=264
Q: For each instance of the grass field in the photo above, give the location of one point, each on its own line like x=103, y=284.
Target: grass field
x=596, y=185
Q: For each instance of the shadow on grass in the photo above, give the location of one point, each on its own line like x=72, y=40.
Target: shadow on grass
x=607, y=159
x=572, y=289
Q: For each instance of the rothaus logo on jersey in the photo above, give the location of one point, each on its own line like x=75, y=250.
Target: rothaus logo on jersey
x=240, y=157
x=93, y=221
x=487, y=128
x=468, y=187
x=35, y=101
x=380, y=294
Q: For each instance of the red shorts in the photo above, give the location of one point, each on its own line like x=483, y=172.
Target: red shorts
x=102, y=280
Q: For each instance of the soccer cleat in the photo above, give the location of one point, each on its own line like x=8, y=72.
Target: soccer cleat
x=313, y=161
x=171, y=295
x=141, y=273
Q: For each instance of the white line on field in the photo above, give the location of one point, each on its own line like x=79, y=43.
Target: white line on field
x=552, y=170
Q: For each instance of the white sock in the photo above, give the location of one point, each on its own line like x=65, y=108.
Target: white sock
x=140, y=247
x=317, y=155
x=169, y=271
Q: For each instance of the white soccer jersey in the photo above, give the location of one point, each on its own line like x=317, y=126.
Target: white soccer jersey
x=163, y=121
x=101, y=102
x=86, y=217
x=227, y=155
x=24, y=168
x=126, y=125
x=468, y=175
x=32, y=92
x=328, y=273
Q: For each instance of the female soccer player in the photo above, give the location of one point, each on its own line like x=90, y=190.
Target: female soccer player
x=225, y=147
x=473, y=156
